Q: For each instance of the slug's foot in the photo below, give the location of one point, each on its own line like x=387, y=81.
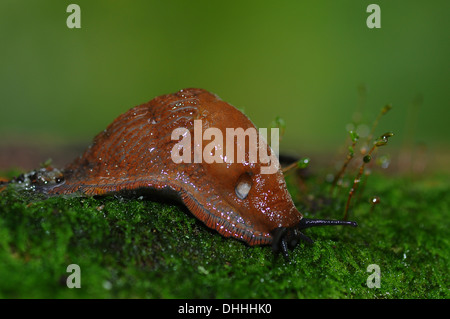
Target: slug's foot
x=285, y=238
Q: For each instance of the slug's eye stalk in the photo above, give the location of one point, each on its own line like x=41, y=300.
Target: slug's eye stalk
x=284, y=237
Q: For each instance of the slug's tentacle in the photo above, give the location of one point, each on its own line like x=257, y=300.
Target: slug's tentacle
x=279, y=242
x=307, y=223
x=284, y=237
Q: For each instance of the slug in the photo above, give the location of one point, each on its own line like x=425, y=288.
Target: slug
x=135, y=153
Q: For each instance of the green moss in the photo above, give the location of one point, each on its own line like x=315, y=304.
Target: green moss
x=135, y=248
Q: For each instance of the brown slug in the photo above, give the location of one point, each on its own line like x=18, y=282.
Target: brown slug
x=235, y=199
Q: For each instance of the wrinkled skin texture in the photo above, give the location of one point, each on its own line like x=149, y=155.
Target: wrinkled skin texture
x=134, y=152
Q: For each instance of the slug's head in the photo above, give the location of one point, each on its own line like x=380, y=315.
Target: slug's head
x=242, y=183
x=289, y=237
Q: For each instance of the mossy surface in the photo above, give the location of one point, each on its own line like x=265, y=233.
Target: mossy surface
x=135, y=248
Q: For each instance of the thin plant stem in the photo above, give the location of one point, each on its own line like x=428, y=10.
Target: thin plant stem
x=367, y=158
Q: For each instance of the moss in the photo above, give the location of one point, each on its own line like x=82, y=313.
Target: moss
x=135, y=248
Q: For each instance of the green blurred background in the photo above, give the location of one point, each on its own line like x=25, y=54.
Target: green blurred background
x=301, y=60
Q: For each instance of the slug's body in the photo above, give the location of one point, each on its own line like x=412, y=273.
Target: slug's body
x=235, y=199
